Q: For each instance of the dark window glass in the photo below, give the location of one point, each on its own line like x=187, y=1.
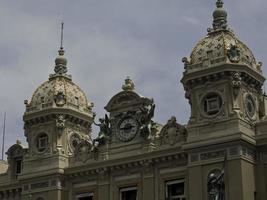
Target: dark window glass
x=128, y=194
x=85, y=196
x=175, y=190
x=18, y=166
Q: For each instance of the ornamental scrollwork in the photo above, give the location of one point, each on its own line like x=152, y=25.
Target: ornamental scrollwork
x=60, y=99
x=236, y=82
x=233, y=53
x=60, y=121
x=173, y=132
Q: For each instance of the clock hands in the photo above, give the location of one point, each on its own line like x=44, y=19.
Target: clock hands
x=127, y=127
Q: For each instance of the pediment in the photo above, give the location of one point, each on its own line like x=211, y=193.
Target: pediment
x=126, y=99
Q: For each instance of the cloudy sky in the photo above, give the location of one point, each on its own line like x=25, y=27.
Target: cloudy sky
x=107, y=40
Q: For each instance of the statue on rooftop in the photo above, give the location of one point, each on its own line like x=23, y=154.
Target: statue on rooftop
x=104, y=132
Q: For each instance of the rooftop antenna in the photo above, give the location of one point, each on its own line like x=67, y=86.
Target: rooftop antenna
x=4, y=133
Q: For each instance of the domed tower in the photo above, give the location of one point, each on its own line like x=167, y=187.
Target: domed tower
x=57, y=116
x=223, y=83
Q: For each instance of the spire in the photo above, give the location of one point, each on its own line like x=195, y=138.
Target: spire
x=61, y=50
x=219, y=17
x=61, y=61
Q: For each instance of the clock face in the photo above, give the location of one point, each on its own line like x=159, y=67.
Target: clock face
x=127, y=129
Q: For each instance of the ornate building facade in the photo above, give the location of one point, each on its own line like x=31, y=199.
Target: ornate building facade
x=220, y=154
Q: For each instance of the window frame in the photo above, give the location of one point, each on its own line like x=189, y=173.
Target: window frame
x=211, y=104
x=40, y=144
x=173, y=182
x=87, y=194
x=16, y=161
x=125, y=189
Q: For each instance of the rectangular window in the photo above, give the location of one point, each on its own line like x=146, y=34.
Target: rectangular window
x=129, y=193
x=18, y=166
x=85, y=196
x=213, y=104
x=42, y=142
x=175, y=190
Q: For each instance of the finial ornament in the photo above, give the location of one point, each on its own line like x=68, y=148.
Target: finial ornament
x=128, y=84
x=219, y=18
x=219, y=3
x=61, y=61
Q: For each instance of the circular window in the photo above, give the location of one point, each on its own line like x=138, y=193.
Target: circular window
x=42, y=142
x=212, y=104
x=250, y=106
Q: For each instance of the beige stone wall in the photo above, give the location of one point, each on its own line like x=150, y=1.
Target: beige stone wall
x=3, y=166
x=150, y=183
x=261, y=181
x=195, y=187
x=248, y=180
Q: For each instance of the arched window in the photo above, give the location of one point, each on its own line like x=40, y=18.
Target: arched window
x=15, y=159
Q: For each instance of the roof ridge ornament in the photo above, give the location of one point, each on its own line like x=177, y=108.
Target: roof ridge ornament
x=128, y=84
x=219, y=18
x=219, y=3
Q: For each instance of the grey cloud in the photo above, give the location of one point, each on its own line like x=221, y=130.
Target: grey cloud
x=107, y=40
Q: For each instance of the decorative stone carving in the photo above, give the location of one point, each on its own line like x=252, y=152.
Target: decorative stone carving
x=225, y=45
x=212, y=155
x=128, y=85
x=173, y=133
x=250, y=106
x=84, y=151
x=233, y=53
x=60, y=121
x=236, y=83
x=60, y=69
x=127, y=99
x=259, y=65
x=60, y=99
x=74, y=140
x=90, y=106
x=186, y=62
